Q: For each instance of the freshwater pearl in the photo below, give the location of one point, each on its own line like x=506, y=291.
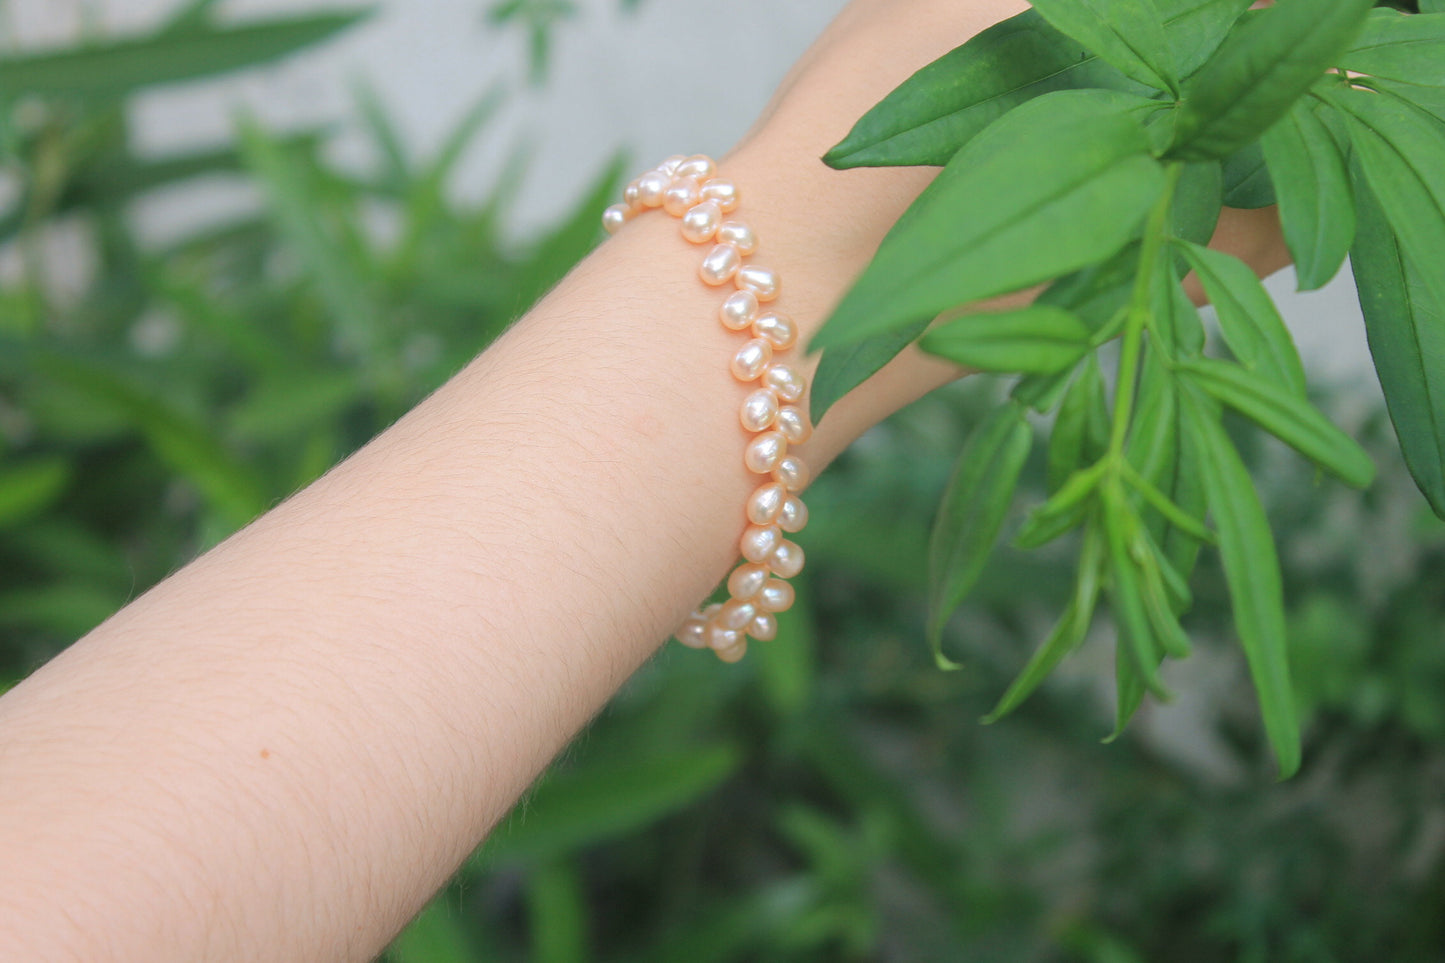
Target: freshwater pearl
x=766, y=504
x=614, y=217
x=759, y=410
x=760, y=280
x=721, y=637
x=699, y=166
x=787, y=559
x=733, y=653
x=747, y=580
x=776, y=596
x=794, y=424
x=680, y=196
x=739, y=235
x=724, y=191
x=777, y=328
x=794, y=515
x=650, y=188
x=751, y=360
x=632, y=193
x=738, y=311
x=693, y=632
x=737, y=614
x=699, y=224
x=765, y=452
x=758, y=542
x=670, y=165
x=791, y=472
x=721, y=263
x=764, y=627
x=786, y=381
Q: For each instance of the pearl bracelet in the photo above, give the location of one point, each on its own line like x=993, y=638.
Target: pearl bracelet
x=690, y=188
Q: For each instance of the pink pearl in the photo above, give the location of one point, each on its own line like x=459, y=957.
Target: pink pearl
x=632, y=194
x=614, y=217
x=680, y=196
x=777, y=328
x=776, y=596
x=650, y=188
x=721, y=638
x=787, y=559
x=759, y=410
x=747, y=580
x=764, y=452
x=713, y=608
x=700, y=223
x=764, y=627
x=766, y=504
x=737, y=614
x=751, y=360
x=670, y=165
x=738, y=311
x=739, y=235
x=699, y=166
x=693, y=633
x=721, y=263
x=794, y=424
x=724, y=191
x=794, y=516
x=758, y=542
x=786, y=381
x=733, y=653
x=792, y=473
x=760, y=280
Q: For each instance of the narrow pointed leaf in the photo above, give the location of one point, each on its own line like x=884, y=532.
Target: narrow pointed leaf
x=1251, y=569
x=1127, y=34
x=1060, y=183
x=846, y=367
x=1248, y=318
x=1126, y=595
x=1260, y=70
x=1198, y=200
x=1404, y=47
x=1405, y=324
x=1247, y=183
x=972, y=514
x=1038, y=339
x=1284, y=414
x=1313, y=186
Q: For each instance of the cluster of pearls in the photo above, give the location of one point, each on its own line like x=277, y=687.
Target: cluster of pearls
x=772, y=413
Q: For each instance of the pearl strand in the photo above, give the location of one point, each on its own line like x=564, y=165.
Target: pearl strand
x=690, y=189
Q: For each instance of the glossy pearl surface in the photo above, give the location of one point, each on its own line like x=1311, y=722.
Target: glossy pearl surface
x=737, y=614
x=764, y=627
x=759, y=541
x=699, y=224
x=693, y=632
x=766, y=504
x=777, y=328
x=650, y=188
x=776, y=596
x=751, y=360
x=632, y=194
x=765, y=452
x=724, y=191
x=760, y=280
x=794, y=424
x=792, y=472
x=733, y=653
x=793, y=517
x=614, y=217
x=739, y=235
x=760, y=409
x=680, y=196
x=721, y=263
x=748, y=580
x=787, y=558
x=699, y=166
x=739, y=310
x=670, y=165
x=721, y=637
x=786, y=381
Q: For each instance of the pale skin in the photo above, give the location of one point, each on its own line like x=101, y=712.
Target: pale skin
x=283, y=750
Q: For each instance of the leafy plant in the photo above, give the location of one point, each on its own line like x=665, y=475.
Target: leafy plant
x=1090, y=147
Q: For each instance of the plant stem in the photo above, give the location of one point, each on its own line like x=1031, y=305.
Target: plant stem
x=1156, y=235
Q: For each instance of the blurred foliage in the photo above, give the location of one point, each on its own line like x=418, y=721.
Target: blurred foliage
x=538, y=19
x=831, y=798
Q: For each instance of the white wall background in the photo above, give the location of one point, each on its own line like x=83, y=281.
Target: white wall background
x=634, y=81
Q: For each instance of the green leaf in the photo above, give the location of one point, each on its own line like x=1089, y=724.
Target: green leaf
x=1058, y=184
x=1126, y=594
x=436, y=936
x=1248, y=318
x=1067, y=634
x=1313, y=186
x=116, y=68
x=1197, y=27
x=557, y=905
x=1127, y=34
x=1038, y=339
x=1405, y=324
x=972, y=513
x=28, y=487
x=1177, y=324
x=847, y=366
x=570, y=810
x=1251, y=569
x=1284, y=414
x=1429, y=99
x=1262, y=68
x=1247, y=183
x=1198, y=200
x=1432, y=6
x=1403, y=47
x=1081, y=429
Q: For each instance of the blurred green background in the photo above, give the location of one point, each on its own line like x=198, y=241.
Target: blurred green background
x=831, y=798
